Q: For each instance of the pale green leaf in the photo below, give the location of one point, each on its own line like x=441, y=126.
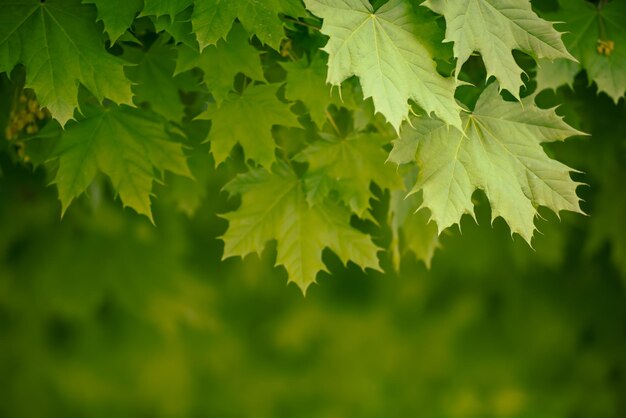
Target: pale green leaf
x=247, y=119
x=60, y=47
x=126, y=144
x=500, y=152
x=274, y=206
x=494, y=28
x=386, y=51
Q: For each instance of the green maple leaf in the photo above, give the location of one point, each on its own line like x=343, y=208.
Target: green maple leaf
x=60, y=47
x=116, y=15
x=494, y=28
x=348, y=166
x=306, y=82
x=222, y=62
x=164, y=7
x=500, y=152
x=212, y=19
x=126, y=144
x=178, y=27
x=274, y=206
x=596, y=36
x=247, y=119
x=386, y=51
x=553, y=74
x=153, y=68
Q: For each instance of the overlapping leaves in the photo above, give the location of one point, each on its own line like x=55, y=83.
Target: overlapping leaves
x=385, y=49
x=494, y=28
x=259, y=107
x=348, y=166
x=124, y=143
x=500, y=152
x=596, y=36
x=210, y=20
x=303, y=191
x=222, y=62
x=60, y=46
x=274, y=206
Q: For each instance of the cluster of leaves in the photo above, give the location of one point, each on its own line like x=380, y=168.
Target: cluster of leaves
x=312, y=135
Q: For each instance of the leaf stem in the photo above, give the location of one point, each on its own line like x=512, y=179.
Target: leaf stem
x=332, y=122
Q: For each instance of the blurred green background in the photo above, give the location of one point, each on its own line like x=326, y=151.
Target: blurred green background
x=104, y=315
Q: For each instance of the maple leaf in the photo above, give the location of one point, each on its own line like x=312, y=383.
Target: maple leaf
x=178, y=27
x=596, y=36
x=385, y=50
x=411, y=228
x=116, y=15
x=348, y=166
x=500, y=152
x=164, y=7
x=306, y=82
x=494, y=28
x=553, y=74
x=247, y=119
x=222, y=62
x=155, y=67
x=126, y=144
x=212, y=19
x=274, y=206
x=60, y=47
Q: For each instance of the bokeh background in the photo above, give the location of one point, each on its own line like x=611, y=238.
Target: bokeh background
x=103, y=314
